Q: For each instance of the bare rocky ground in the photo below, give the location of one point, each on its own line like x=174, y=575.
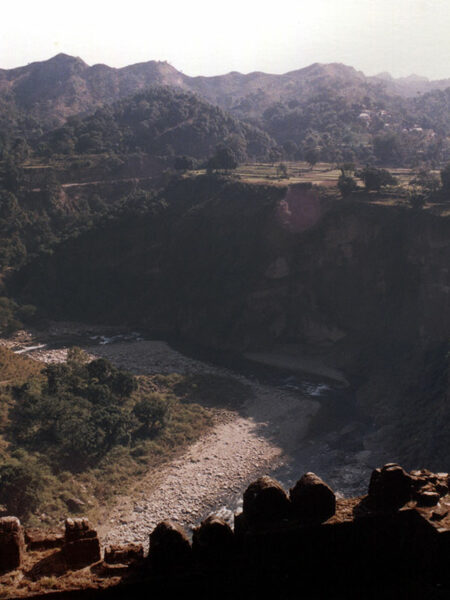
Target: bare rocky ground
x=213, y=472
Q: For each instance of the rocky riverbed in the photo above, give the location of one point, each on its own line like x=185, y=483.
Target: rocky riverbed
x=269, y=434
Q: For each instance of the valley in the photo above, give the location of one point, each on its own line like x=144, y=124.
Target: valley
x=208, y=280
x=225, y=301
x=268, y=432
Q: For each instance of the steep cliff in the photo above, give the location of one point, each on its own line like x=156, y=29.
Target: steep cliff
x=241, y=267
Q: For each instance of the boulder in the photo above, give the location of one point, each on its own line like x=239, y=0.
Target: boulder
x=169, y=545
x=12, y=544
x=213, y=541
x=265, y=501
x=390, y=487
x=75, y=504
x=312, y=499
x=124, y=555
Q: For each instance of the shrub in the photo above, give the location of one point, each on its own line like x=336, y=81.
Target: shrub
x=346, y=185
x=152, y=411
x=375, y=179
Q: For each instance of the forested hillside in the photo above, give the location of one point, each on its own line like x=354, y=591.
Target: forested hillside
x=327, y=112
x=160, y=121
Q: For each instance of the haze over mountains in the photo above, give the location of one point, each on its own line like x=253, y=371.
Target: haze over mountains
x=331, y=109
x=65, y=85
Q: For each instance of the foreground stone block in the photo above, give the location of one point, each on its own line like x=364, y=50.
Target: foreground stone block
x=81, y=547
x=213, y=541
x=36, y=539
x=390, y=487
x=265, y=501
x=169, y=545
x=81, y=553
x=12, y=544
x=124, y=555
x=78, y=529
x=312, y=500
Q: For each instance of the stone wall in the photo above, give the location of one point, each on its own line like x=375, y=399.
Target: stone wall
x=397, y=537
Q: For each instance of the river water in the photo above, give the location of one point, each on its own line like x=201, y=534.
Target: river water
x=335, y=447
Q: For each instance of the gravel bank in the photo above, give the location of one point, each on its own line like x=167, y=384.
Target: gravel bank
x=215, y=470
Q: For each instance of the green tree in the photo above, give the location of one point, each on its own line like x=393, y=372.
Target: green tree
x=346, y=185
x=425, y=180
x=375, y=179
x=223, y=159
x=183, y=163
x=282, y=171
x=152, y=411
x=445, y=178
x=347, y=168
x=123, y=384
x=9, y=316
x=11, y=175
x=77, y=358
x=416, y=199
x=114, y=424
x=75, y=413
x=312, y=156
x=100, y=369
x=21, y=482
x=388, y=149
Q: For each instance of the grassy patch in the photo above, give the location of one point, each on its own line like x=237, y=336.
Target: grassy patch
x=16, y=368
x=215, y=391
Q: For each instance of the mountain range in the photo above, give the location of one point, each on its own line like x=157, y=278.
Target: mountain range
x=331, y=108
x=65, y=85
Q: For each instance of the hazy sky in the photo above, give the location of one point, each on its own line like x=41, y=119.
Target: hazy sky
x=203, y=37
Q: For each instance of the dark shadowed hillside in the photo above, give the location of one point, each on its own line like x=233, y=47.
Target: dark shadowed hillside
x=228, y=265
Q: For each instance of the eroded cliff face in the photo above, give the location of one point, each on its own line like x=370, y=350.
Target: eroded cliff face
x=361, y=271
x=244, y=267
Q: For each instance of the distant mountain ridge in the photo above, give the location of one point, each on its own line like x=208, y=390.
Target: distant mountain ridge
x=330, y=110
x=412, y=84
x=64, y=85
